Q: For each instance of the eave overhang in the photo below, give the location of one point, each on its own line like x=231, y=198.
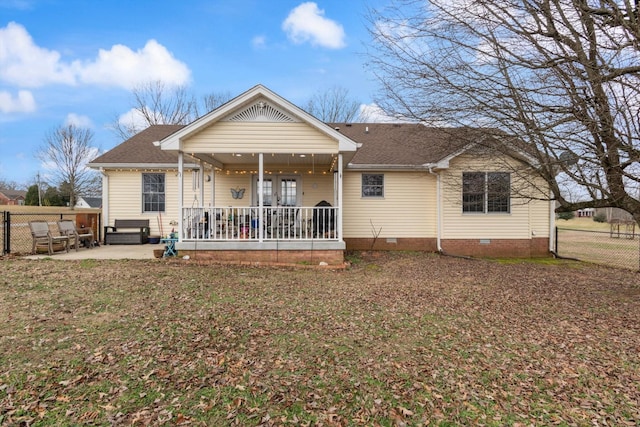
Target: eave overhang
x=148, y=166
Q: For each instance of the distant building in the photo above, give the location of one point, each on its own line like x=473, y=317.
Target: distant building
x=586, y=212
x=89, y=202
x=12, y=197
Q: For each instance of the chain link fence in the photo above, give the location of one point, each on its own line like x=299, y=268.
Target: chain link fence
x=16, y=234
x=619, y=247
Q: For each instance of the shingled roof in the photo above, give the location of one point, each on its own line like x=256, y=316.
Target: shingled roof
x=405, y=144
x=382, y=144
x=139, y=149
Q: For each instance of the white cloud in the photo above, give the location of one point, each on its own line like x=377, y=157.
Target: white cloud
x=78, y=120
x=372, y=113
x=133, y=120
x=24, y=64
x=259, y=42
x=123, y=67
x=306, y=23
x=23, y=103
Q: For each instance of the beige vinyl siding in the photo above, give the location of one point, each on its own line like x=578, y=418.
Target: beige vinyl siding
x=224, y=184
x=316, y=188
x=125, y=198
x=524, y=217
x=408, y=208
x=249, y=137
x=539, y=210
x=311, y=194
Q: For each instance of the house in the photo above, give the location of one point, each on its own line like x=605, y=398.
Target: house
x=259, y=179
x=12, y=197
x=89, y=202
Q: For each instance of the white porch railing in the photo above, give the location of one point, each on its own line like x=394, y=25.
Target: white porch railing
x=243, y=224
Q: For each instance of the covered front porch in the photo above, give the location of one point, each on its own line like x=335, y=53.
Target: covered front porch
x=269, y=182
x=265, y=212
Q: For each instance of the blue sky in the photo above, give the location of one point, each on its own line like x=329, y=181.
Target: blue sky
x=76, y=60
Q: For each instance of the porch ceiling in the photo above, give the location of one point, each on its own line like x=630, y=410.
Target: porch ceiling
x=223, y=160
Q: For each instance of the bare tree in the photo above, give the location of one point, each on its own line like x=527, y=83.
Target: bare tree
x=561, y=76
x=10, y=185
x=214, y=100
x=333, y=106
x=155, y=103
x=66, y=151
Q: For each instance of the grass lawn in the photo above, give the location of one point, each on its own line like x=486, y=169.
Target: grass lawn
x=399, y=339
x=583, y=223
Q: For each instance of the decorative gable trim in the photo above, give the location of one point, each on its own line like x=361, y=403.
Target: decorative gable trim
x=261, y=111
x=253, y=97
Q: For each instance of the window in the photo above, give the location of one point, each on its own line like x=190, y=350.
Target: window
x=288, y=192
x=486, y=192
x=267, y=192
x=153, y=192
x=372, y=185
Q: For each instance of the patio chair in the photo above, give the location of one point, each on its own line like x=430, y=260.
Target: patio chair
x=40, y=233
x=68, y=228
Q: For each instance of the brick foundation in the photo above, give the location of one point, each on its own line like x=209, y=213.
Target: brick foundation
x=312, y=257
x=508, y=248
x=399, y=244
x=498, y=248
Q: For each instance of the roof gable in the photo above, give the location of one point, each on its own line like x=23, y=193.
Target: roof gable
x=258, y=104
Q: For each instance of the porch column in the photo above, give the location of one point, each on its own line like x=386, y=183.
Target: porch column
x=201, y=183
x=260, y=197
x=213, y=185
x=180, y=191
x=340, y=196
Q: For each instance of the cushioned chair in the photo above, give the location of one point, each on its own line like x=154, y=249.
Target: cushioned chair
x=68, y=228
x=40, y=233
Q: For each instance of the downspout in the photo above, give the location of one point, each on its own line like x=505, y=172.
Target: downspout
x=438, y=212
x=180, y=191
x=552, y=226
x=340, y=209
x=105, y=199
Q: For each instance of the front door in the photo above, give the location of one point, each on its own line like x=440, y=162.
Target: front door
x=281, y=190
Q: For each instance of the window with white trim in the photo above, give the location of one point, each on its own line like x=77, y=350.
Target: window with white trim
x=486, y=192
x=153, y=192
x=372, y=185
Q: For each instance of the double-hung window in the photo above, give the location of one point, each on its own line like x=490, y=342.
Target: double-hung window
x=486, y=192
x=153, y=192
x=372, y=185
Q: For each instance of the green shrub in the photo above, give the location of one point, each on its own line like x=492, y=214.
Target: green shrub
x=566, y=215
x=601, y=217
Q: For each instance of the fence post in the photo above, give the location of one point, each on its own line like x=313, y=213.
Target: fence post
x=6, y=241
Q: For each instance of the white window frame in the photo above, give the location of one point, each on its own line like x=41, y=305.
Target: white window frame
x=368, y=190
x=488, y=196
x=152, y=193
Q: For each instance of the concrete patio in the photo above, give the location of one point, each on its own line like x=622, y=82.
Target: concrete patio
x=104, y=252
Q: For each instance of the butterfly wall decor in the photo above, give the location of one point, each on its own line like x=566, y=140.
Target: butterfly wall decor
x=237, y=193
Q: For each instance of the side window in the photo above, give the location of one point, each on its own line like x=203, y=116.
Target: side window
x=498, y=192
x=486, y=192
x=153, y=192
x=473, y=186
x=372, y=185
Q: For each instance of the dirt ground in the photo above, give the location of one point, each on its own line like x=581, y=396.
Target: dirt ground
x=398, y=339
